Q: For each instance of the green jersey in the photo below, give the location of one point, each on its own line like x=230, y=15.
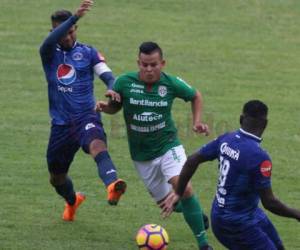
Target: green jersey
x=147, y=113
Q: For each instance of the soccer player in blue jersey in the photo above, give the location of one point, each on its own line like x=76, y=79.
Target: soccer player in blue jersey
x=244, y=179
x=69, y=69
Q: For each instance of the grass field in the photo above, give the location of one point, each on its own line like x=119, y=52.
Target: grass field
x=231, y=50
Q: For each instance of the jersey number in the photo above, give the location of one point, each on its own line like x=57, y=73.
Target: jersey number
x=223, y=171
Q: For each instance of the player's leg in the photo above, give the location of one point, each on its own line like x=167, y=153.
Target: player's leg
x=222, y=232
x=241, y=236
x=193, y=214
x=153, y=179
x=93, y=141
x=60, y=153
x=172, y=163
x=267, y=226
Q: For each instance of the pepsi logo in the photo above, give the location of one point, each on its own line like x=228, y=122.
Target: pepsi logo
x=66, y=74
x=266, y=168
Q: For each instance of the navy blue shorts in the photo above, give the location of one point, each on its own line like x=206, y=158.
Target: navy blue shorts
x=65, y=140
x=260, y=236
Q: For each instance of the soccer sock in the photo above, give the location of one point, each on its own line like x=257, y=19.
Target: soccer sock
x=178, y=207
x=66, y=190
x=106, y=169
x=192, y=213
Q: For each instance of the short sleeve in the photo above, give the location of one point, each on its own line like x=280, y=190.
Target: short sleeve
x=261, y=172
x=183, y=90
x=97, y=57
x=210, y=151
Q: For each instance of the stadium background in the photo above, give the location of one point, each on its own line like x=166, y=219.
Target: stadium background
x=231, y=50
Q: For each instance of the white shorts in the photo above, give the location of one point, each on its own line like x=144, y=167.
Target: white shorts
x=157, y=172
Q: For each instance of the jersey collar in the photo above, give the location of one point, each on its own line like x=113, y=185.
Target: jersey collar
x=58, y=47
x=259, y=139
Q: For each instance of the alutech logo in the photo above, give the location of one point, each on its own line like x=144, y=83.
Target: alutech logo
x=147, y=117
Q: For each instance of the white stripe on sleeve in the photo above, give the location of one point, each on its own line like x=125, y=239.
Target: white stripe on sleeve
x=101, y=68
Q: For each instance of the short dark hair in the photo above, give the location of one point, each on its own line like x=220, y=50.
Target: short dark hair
x=60, y=16
x=150, y=47
x=255, y=109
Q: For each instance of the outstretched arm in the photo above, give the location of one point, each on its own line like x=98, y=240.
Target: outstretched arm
x=274, y=205
x=186, y=174
x=55, y=35
x=83, y=8
x=61, y=30
x=198, y=126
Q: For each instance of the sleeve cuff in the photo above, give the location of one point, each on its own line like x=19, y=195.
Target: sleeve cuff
x=74, y=18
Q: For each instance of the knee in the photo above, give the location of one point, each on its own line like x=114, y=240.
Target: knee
x=57, y=180
x=96, y=147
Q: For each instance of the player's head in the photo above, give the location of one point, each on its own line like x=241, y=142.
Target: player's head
x=254, y=117
x=150, y=62
x=57, y=18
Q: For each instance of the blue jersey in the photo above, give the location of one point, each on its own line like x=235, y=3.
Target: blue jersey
x=70, y=76
x=244, y=168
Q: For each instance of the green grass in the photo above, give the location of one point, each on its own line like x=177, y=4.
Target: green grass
x=231, y=50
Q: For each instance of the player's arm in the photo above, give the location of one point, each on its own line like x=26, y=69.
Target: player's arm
x=188, y=170
x=208, y=152
x=112, y=106
x=108, y=107
x=274, y=205
x=105, y=74
x=186, y=92
x=55, y=35
x=61, y=30
x=186, y=174
x=197, y=106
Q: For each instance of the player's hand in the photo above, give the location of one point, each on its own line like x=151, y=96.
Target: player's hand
x=84, y=7
x=100, y=106
x=114, y=96
x=201, y=128
x=167, y=206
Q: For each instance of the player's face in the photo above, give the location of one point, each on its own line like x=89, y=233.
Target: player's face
x=68, y=40
x=150, y=67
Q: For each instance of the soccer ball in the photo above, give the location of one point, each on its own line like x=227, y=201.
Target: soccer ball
x=152, y=237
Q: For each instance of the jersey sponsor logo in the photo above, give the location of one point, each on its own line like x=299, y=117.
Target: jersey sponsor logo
x=149, y=128
x=77, y=56
x=148, y=103
x=138, y=91
x=64, y=89
x=139, y=86
x=89, y=126
x=147, y=117
x=66, y=74
x=162, y=91
x=266, y=168
x=233, y=154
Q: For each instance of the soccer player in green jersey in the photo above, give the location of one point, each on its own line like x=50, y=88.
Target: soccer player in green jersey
x=147, y=97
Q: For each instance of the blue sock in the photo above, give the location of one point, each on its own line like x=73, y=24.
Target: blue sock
x=66, y=190
x=106, y=169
